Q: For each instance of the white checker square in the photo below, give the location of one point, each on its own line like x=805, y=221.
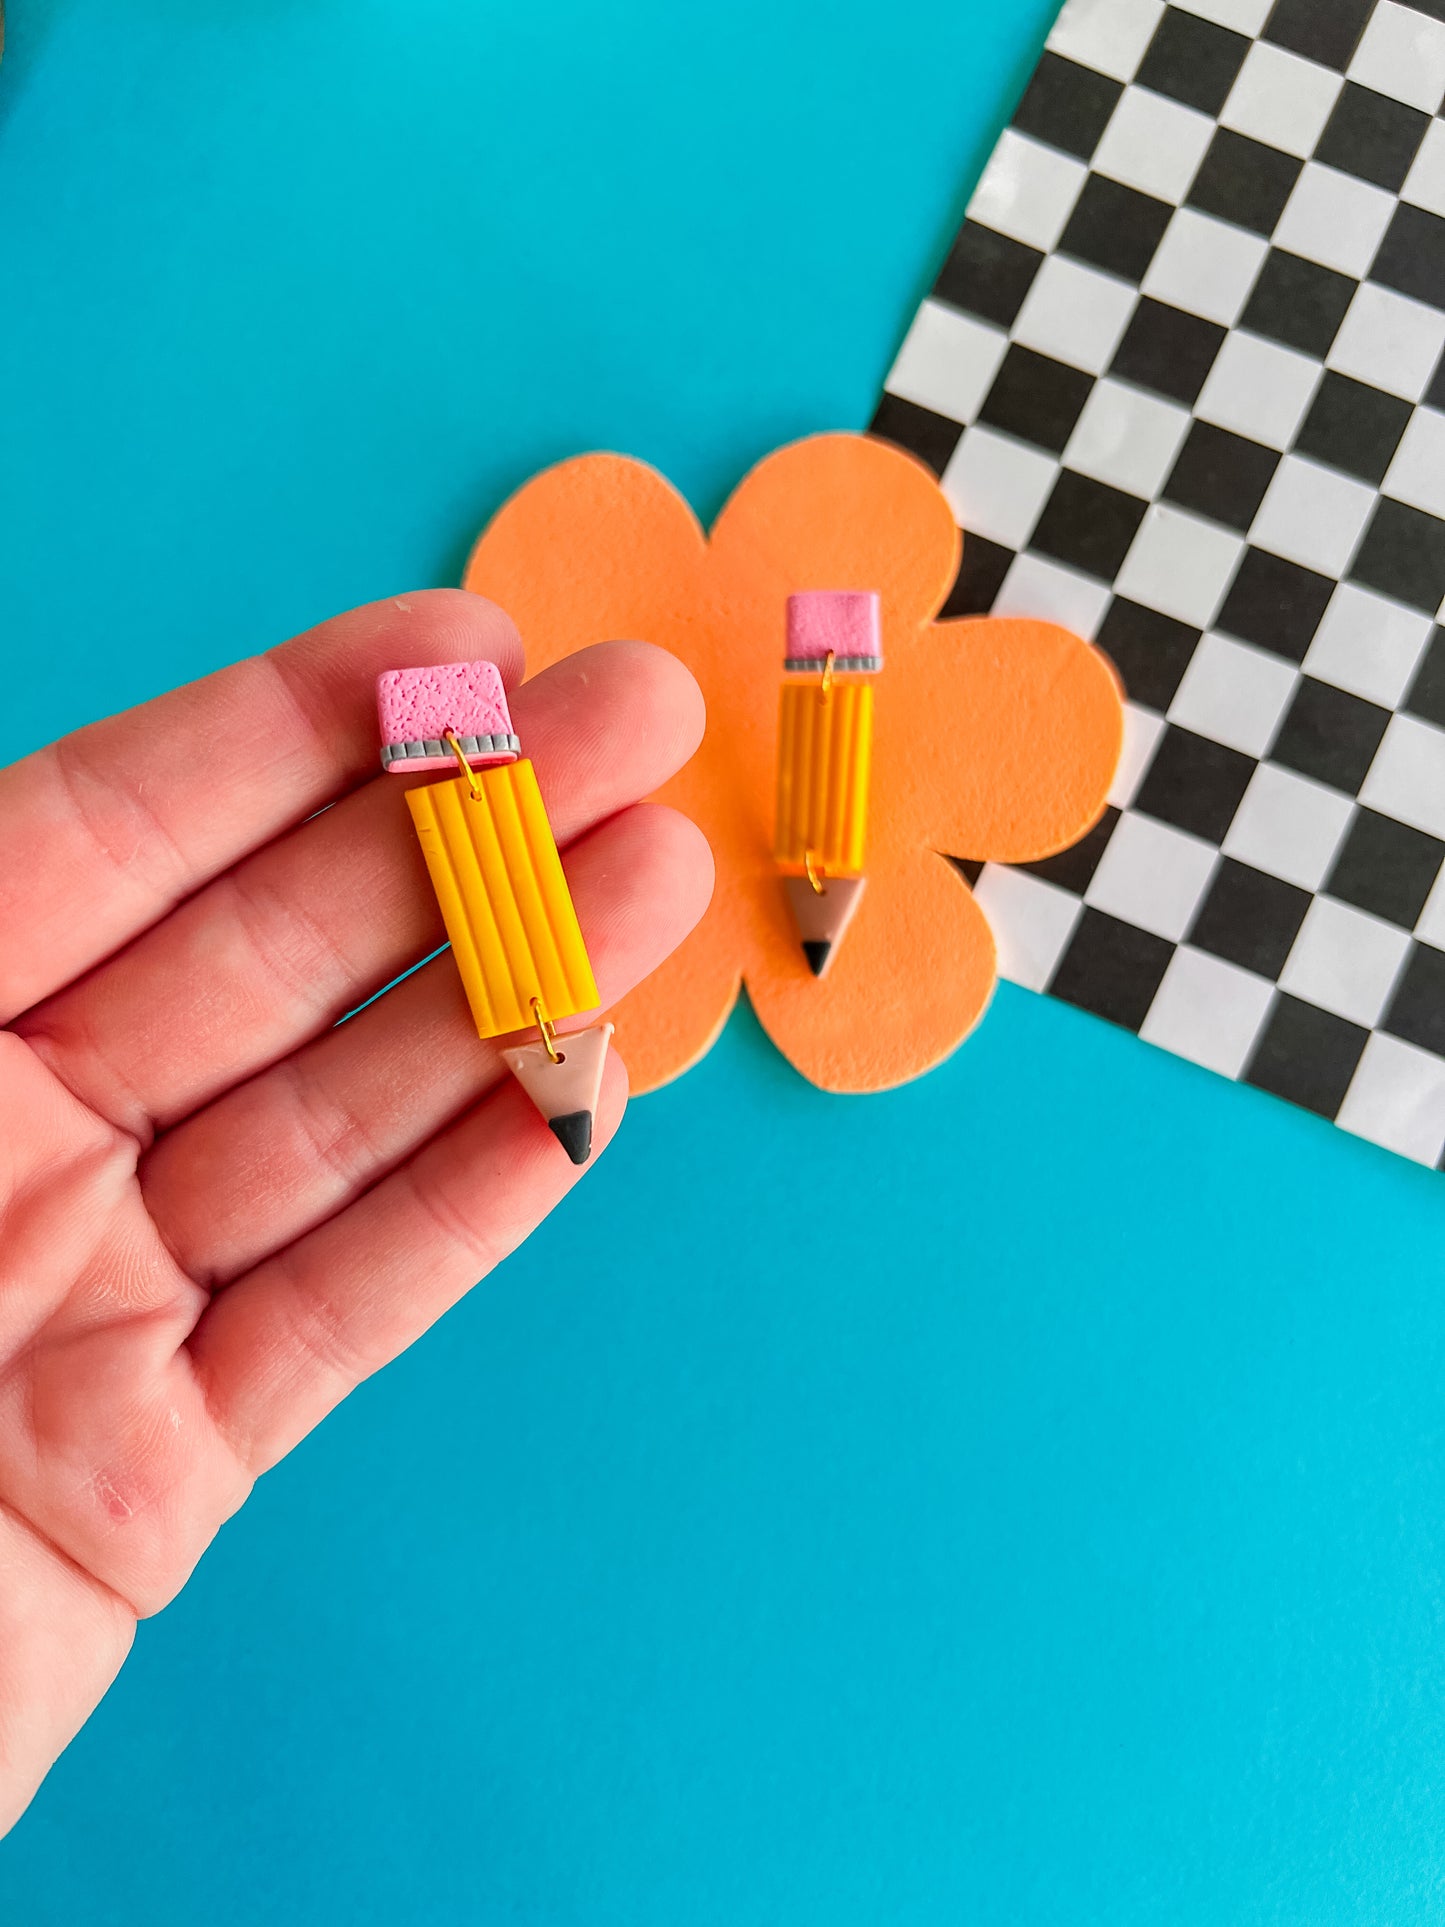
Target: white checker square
x=1407, y=777
x=1234, y=694
x=947, y=362
x=1259, y=389
x=1075, y=314
x=1431, y=927
x=1111, y=36
x=1151, y=876
x=1389, y=341
x=1425, y=183
x=1142, y=730
x=997, y=487
x=1368, y=645
x=1031, y=921
x=1402, y=54
x=1345, y=960
x=1028, y=191
x=1417, y=474
x=1127, y=438
x=1288, y=826
x=1313, y=515
x=1281, y=100
x=1334, y=219
x=1153, y=144
x=1205, y=266
x=1209, y=1011
x=1243, y=16
x=1180, y=565
x=1397, y=1099
x=1046, y=591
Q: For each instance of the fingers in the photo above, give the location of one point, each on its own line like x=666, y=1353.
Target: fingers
x=287, y=1342
x=63, y=1637
x=299, y=933
x=109, y=828
x=274, y=1157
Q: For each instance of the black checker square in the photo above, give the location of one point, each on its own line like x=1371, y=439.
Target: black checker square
x=1307, y=1055
x=932, y=438
x=1275, y=604
x=1221, y=475
x=1387, y=868
x=1330, y=735
x=1113, y=969
x=1194, y=783
x=1249, y=918
x=1427, y=692
x=1151, y=652
x=1243, y=181
x=1067, y=106
x=987, y=274
x=1115, y=228
x=1073, y=869
x=1168, y=350
x=1417, y=1009
x=980, y=577
x=1299, y=303
x=1372, y=137
x=1435, y=393
x=1403, y=555
x=1325, y=31
x=1354, y=427
x=1193, y=60
x=1036, y=398
x=1088, y=525
x=1411, y=259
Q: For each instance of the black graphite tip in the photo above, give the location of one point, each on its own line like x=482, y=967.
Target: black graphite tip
x=573, y=1131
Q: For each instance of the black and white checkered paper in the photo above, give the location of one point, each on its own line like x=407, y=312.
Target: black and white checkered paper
x=1183, y=379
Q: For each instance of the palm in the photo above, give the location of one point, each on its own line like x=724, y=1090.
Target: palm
x=219, y=1210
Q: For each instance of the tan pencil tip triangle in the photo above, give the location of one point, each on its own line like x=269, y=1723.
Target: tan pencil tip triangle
x=565, y=1093
x=823, y=915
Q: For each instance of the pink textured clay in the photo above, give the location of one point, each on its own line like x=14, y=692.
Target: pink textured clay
x=842, y=622
x=416, y=708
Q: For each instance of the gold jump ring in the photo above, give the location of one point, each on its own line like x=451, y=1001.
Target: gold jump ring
x=473, y=780
x=549, y=1035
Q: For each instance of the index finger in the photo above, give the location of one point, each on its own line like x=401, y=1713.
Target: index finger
x=108, y=829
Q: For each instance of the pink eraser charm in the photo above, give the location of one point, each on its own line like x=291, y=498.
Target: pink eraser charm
x=416, y=708
x=840, y=622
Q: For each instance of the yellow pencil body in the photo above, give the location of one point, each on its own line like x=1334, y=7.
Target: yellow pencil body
x=825, y=751
x=498, y=878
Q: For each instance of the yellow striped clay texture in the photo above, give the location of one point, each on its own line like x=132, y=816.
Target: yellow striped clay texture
x=825, y=748
x=508, y=911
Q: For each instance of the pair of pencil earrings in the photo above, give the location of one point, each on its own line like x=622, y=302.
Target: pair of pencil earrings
x=498, y=877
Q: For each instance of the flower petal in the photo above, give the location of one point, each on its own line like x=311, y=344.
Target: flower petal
x=832, y=512
x=600, y=548
x=907, y=984
x=1002, y=739
x=676, y=1016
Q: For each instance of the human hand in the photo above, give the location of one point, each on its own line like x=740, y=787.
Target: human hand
x=219, y=1211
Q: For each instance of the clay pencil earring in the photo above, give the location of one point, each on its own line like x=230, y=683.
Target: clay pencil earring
x=498, y=878
x=825, y=749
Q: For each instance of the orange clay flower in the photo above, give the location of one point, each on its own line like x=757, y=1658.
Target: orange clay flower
x=993, y=738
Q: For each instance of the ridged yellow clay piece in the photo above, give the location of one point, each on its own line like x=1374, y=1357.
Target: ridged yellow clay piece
x=508, y=911
x=825, y=749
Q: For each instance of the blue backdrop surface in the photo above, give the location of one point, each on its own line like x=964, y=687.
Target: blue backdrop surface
x=1071, y=1552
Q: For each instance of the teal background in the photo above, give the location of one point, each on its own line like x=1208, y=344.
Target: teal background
x=1052, y=1534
